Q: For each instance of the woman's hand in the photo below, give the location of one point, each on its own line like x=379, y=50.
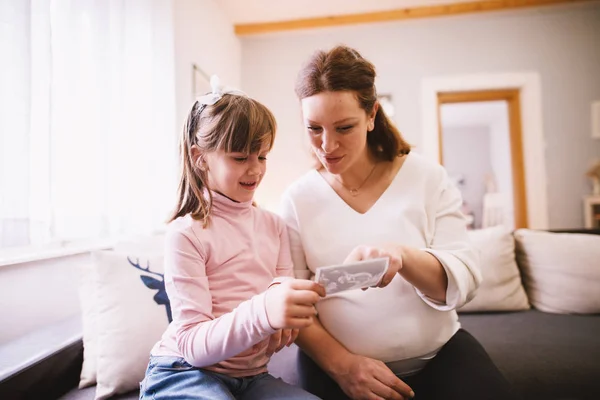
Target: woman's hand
x=281, y=338
x=366, y=252
x=419, y=268
x=368, y=379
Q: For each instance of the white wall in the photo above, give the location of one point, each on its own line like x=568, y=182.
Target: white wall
x=559, y=43
x=40, y=293
x=204, y=36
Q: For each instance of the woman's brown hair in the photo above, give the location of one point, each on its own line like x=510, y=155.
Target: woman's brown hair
x=344, y=69
x=233, y=124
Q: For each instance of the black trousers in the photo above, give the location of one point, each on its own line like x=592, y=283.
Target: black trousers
x=461, y=370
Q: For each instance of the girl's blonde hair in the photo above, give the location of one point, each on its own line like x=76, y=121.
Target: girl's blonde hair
x=233, y=124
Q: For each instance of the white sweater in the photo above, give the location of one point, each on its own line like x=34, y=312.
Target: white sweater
x=420, y=208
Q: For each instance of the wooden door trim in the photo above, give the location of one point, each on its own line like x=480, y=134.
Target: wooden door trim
x=512, y=97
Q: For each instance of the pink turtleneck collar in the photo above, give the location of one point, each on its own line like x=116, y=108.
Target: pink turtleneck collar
x=224, y=204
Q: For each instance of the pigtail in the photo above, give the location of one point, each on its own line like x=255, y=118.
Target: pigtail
x=193, y=195
x=385, y=139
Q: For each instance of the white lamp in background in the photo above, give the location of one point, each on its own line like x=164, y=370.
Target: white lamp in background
x=596, y=119
x=386, y=103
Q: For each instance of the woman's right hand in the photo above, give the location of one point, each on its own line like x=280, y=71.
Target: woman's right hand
x=364, y=378
x=291, y=303
x=362, y=253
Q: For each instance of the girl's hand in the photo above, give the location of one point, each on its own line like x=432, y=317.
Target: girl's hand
x=291, y=304
x=366, y=252
x=281, y=338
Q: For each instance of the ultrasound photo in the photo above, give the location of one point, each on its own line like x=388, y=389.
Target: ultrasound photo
x=358, y=275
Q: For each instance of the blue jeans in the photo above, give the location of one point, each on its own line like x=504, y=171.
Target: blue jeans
x=172, y=378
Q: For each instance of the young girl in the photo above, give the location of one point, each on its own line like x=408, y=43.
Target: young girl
x=228, y=269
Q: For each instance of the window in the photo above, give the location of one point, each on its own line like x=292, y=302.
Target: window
x=87, y=120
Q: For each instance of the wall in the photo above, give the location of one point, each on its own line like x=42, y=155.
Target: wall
x=40, y=293
x=204, y=36
x=467, y=153
x=560, y=43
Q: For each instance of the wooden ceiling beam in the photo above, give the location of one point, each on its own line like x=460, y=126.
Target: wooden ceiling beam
x=395, y=15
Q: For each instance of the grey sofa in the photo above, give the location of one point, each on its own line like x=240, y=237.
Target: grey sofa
x=544, y=356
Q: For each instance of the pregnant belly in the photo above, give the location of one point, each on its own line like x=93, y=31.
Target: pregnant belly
x=387, y=324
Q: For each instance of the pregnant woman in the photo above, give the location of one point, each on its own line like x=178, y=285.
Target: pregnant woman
x=371, y=196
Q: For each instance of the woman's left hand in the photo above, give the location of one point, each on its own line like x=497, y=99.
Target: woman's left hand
x=281, y=338
x=361, y=253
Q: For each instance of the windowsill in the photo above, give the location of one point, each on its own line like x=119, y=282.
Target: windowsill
x=22, y=255
x=26, y=254
x=19, y=354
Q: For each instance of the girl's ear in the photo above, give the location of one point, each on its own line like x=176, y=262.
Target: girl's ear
x=198, y=158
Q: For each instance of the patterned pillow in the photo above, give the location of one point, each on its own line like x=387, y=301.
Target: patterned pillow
x=125, y=312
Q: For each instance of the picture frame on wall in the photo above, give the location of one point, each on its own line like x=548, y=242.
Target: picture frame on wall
x=200, y=82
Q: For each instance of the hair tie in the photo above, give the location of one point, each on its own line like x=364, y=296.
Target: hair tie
x=217, y=92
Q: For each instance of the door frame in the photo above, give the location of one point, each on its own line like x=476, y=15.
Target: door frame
x=532, y=141
x=512, y=98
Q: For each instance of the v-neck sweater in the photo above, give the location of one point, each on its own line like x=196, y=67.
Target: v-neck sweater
x=420, y=208
x=216, y=278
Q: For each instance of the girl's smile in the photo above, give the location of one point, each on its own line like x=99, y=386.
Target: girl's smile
x=249, y=185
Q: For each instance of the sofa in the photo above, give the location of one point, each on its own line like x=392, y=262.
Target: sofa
x=547, y=349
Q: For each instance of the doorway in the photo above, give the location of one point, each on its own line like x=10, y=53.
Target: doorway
x=481, y=146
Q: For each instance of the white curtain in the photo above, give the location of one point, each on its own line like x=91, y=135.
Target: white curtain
x=87, y=119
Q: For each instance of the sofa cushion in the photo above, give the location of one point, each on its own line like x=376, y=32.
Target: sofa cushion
x=561, y=271
x=89, y=393
x=501, y=288
x=544, y=356
x=42, y=364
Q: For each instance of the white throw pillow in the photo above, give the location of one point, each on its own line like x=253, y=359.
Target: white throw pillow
x=132, y=314
x=561, y=271
x=501, y=288
x=149, y=246
x=87, y=298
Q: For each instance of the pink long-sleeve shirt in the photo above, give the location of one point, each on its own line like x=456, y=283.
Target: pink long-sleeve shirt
x=216, y=280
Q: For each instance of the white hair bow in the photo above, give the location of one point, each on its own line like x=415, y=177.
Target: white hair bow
x=217, y=92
